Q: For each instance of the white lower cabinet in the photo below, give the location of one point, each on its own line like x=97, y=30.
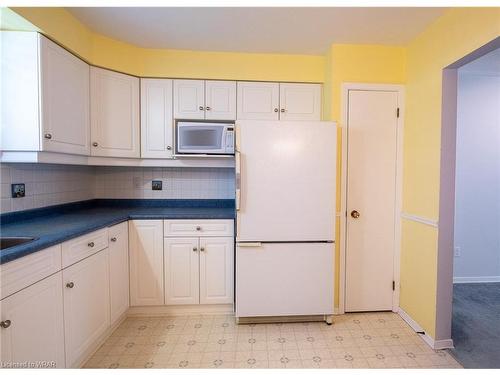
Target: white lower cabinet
x=198, y=270
x=146, y=262
x=32, y=327
x=118, y=271
x=216, y=270
x=86, y=305
x=181, y=271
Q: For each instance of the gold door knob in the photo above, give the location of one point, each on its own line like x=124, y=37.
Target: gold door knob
x=354, y=214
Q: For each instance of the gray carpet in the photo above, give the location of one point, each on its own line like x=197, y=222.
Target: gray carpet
x=476, y=325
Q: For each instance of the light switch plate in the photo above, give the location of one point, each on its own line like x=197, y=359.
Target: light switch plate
x=18, y=190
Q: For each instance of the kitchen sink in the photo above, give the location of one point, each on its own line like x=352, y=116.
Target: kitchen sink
x=6, y=242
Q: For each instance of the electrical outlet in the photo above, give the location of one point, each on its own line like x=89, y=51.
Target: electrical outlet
x=156, y=185
x=457, y=251
x=18, y=190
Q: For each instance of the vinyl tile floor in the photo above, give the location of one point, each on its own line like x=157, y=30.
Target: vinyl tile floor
x=361, y=340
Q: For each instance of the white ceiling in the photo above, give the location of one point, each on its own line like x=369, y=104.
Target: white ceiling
x=487, y=64
x=268, y=30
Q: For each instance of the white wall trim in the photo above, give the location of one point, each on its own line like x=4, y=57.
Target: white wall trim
x=180, y=310
x=346, y=87
x=434, y=344
x=476, y=279
x=420, y=219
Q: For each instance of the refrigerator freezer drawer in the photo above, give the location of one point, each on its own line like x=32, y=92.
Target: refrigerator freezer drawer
x=283, y=279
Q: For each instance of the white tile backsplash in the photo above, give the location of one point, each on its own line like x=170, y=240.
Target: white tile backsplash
x=48, y=185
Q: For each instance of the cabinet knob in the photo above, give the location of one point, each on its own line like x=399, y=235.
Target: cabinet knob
x=48, y=136
x=208, y=108
x=198, y=228
x=195, y=249
x=113, y=239
x=202, y=249
x=95, y=144
x=201, y=108
x=282, y=110
x=275, y=109
x=70, y=285
x=5, y=324
x=355, y=214
x=169, y=147
x=90, y=244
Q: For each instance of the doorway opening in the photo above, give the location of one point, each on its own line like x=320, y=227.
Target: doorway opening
x=468, y=295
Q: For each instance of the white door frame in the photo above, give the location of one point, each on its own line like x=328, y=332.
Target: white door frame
x=346, y=87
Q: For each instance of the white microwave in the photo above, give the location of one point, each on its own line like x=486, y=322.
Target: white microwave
x=200, y=137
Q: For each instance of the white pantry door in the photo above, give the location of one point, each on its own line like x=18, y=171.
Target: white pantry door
x=371, y=193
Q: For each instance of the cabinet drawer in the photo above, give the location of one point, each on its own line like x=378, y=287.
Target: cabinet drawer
x=27, y=270
x=84, y=246
x=189, y=228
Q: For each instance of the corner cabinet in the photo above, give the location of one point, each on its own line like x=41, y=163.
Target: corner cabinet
x=157, y=121
x=146, y=262
x=45, y=96
x=114, y=114
x=32, y=326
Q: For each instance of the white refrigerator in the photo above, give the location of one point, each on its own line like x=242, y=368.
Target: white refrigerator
x=285, y=230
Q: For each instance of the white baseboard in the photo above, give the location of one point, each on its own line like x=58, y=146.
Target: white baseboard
x=180, y=310
x=476, y=279
x=434, y=344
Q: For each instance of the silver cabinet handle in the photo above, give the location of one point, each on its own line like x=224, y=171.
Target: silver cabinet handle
x=208, y=108
x=201, y=108
x=237, y=156
x=275, y=109
x=70, y=285
x=113, y=239
x=90, y=244
x=5, y=323
x=95, y=144
x=198, y=228
x=195, y=249
x=282, y=110
x=48, y=136
x=169, y=147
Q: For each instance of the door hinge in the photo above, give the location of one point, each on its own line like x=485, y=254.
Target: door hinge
x=397, y=112
x=393, y=285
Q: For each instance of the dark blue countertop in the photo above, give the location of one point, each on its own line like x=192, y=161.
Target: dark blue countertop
x=56, y=224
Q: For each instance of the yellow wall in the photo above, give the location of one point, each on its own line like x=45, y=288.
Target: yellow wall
x=63, y=27
x=452, y=36
x=361, y=64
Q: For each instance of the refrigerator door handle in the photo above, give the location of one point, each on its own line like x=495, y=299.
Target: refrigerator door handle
x=237, y=155
x=249, y=244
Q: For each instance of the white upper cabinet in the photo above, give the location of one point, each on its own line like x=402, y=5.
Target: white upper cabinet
x=146, y=262
x=300, y=101
x=45, y=96
x=220, y=100
x=118, y=270
x=156, y=118
x=114, y=114
x=216, y=270
x=189, y=99
x=258, y=101
x=33, y=327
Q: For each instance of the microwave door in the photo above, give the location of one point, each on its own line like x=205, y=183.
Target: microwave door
x=200, y=139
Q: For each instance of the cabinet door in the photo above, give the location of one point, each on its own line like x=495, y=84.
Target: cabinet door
x=300, y=101
x=114, y=114
x=86, y=305
x=146, y=262
x=220, y=99
x=189, y=99
x=181, y=271
x=36, y=331
x=258, y=101
x=64, y=100
x=216, y=270
x=118, y=270
x=156, y=118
